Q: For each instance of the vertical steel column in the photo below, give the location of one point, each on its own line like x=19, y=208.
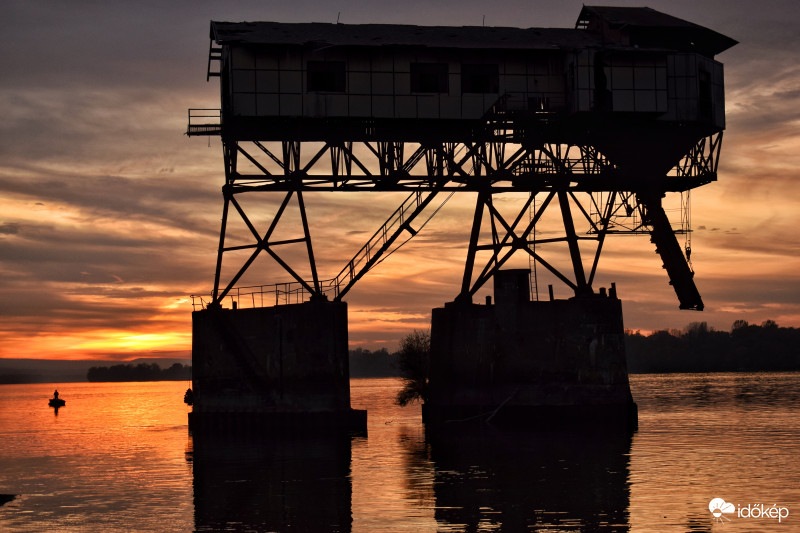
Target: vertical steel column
x=223, y=228
x=473, y=247
x=310, y=249
x=572, y=241
x=602, y=232
x=229, y=151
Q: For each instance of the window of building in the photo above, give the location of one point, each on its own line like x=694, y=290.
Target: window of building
x=325, y=76
x=480, y=79
x=429, y=78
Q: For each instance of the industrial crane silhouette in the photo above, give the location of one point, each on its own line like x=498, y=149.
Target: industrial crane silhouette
x=596, y=125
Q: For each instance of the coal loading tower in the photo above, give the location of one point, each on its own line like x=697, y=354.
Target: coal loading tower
x=595, y=125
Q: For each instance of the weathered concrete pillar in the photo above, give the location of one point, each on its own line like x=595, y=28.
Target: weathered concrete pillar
x=525, y=363
x=284, y=366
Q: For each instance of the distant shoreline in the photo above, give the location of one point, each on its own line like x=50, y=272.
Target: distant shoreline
x=398, y=377
x=697, y=349
x=33, y=371
x=139, y=372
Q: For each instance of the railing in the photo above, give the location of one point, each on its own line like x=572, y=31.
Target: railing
x=204, y=122
x=378, y=240
x=266, y=295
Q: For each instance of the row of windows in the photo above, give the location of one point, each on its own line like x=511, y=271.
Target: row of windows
x=330, y=76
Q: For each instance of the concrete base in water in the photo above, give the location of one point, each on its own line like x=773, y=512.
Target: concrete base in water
x=530, y=364
x=276, y=368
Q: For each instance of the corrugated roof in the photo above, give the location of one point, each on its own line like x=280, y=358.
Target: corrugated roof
x=317, y=34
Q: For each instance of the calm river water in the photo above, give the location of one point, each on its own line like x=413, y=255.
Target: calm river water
x=119, y=457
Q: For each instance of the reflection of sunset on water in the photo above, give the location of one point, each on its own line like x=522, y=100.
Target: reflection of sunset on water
x=119, y=456
x=114, y=454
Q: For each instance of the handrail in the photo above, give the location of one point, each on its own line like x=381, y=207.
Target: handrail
x=378, y=239
x=256, y=296
x=204, y=121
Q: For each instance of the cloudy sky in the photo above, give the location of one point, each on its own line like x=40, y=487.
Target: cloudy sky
x=109, y=214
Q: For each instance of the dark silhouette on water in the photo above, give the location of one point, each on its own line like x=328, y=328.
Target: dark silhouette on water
x=5, y=498
x=256, y=482
x=551, y=113
x=523, y=480
x=55, y=401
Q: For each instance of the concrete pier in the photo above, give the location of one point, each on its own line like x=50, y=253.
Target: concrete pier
x=283, y=367
x=530, y=363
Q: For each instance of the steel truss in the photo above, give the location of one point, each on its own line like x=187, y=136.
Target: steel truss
x=467, y=166
x=618, y=202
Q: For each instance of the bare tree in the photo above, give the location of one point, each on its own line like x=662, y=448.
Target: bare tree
x=414, y=362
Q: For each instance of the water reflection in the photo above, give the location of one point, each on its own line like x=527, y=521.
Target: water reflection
x=486, y=479
x=271, y=483
x=120, y=464
x=419, y=473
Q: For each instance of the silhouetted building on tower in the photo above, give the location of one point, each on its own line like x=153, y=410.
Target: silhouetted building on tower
x=595, y=125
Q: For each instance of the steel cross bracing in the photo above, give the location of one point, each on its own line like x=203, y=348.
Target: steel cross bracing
x=405, y=166
x=490, y=167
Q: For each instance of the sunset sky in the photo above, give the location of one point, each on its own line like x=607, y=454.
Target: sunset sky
x=109, y=214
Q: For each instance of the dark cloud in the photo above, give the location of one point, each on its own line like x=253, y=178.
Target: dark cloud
x=9, y=228
x=173, y=203
x=47, y=308
x=116, y=213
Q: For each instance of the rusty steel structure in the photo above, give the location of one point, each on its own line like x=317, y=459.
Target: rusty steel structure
x=596, y=124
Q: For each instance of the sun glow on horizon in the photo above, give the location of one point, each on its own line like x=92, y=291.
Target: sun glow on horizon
x=99, y=344
x=124, y=341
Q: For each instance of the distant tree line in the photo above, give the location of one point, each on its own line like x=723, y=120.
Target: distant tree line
x=696, y=348
x=140, y=372
x=700, y=348
x=373, y=364
x=410, y=363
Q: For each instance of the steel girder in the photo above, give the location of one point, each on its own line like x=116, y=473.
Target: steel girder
x=495, y=166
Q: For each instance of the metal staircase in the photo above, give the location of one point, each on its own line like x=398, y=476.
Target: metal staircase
x=377, y=245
